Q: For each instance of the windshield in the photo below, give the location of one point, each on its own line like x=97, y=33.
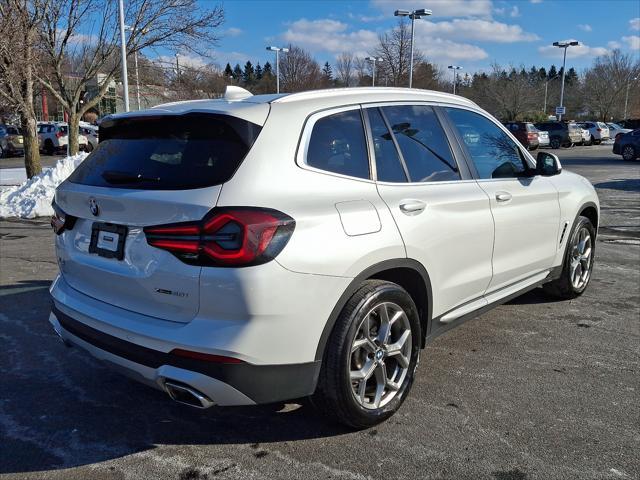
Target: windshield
x=172, y=152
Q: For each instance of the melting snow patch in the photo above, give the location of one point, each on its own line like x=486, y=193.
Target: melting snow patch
x=33, y=198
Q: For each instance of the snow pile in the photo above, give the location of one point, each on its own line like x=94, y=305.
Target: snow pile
x=33, y=198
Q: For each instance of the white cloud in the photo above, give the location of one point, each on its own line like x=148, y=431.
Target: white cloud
x=535, y=1
x=634, y=23
x=476, y=30
x=581, y=50
x=613, y=44
x=169, y=61
x=329, y=35
x=440, y=8
x=440, y=50
x=367, y=18
x=585, y=27
x=633, y=41
x=233, y=31
x=515, y=11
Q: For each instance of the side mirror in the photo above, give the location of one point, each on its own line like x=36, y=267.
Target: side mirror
x=548, y=164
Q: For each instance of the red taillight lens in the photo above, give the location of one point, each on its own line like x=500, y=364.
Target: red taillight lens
x=598, y=129
x=60, y=221
x=59, y=134
x=227, y=237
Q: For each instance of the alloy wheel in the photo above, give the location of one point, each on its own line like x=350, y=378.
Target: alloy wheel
x=580, y=266
x=628, y=153
x=380, y=355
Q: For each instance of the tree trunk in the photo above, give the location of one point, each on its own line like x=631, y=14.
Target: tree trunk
x=31, y=149
x=74, y=124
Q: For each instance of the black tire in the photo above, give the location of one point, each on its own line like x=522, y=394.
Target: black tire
x=48, y=147
x=1, y=151
x=555, y=143
x=334, y=396
x=597, y=142
x=563, y=287
x=587, y=143
x=629, y=153
x=88, y=148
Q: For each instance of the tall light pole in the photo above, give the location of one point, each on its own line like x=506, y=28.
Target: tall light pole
x=423, y=12
x=135, y=59
x=626, y=99
x=278, y=50
x=177, y=66
x=455, y=69
x=123, y=52
x=373, y=61
x=546, y=86
x=564, y=45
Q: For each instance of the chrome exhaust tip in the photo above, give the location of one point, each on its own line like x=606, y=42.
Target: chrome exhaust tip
x=182, y=393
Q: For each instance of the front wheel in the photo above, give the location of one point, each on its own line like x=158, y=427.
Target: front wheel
x=370, y=361
x=629, y=153
x=555, y=143
x=578, y=262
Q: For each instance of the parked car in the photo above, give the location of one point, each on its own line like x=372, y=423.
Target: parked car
x=586, y=136
x=631, y=123
x=91, y=133
x=598, y=130
x=561, y=134
x=53, y=137
x=525, y=132
x=615, y=130
x=11, y=141
x=628, y=145
x=226, y=260
x=543, y=138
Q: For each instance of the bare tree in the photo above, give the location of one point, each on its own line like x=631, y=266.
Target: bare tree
x=394, y=49
x=19, y=27
x=607, y=81
x=299, y=71
x=345, y=69
x=80, y=41
x=363, y=71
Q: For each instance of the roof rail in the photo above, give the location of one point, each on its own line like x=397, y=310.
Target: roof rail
x=236, y=93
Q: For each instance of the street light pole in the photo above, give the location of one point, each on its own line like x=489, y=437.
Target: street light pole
x=546, y=86
x=278, y=50
x=455, y=69
x=413, y=15
x=563, y=45
x=626, y=99
x=135, y=59
x=123, y=52
x=373, y=61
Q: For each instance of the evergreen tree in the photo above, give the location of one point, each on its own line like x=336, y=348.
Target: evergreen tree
x=552, y=72
x=237, y=72
x=258, y=72
x=267, y=70
x=572, y=77
x=248, y=76
x=542, y=73
x=228, y=72
x=327, y=72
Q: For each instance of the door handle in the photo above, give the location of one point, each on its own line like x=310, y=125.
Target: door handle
x=412, y=207
x=503, y=196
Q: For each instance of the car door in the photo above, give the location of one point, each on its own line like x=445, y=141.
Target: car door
x=525, y=207
x=442, y=214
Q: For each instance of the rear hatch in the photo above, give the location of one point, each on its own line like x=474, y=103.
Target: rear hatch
x=148, y=170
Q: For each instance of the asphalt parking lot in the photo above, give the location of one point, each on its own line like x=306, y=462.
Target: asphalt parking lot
x=534, y=389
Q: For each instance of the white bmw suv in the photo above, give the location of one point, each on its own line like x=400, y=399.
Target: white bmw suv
x=256, y=249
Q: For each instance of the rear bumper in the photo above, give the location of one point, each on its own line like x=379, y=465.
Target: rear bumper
x=223, y=384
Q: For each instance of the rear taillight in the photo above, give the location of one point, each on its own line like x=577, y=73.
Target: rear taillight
x=598, y=129
x=59, y=134
x=226, y=237
x=532, y=135
x=60, y=221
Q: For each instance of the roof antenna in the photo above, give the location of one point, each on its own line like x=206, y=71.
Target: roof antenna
x=236, y=93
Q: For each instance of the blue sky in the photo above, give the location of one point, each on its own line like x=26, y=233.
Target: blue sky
x=470, y=33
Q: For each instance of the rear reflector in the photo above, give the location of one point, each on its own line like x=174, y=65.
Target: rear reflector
x=207, y=357
x=226, y=237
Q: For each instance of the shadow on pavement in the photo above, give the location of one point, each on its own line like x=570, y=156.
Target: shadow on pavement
x=626, y=185
x=61, y=408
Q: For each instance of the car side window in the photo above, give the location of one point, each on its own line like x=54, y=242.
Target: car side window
x=338, y=144
x=423, y=143
x=492, y=151
x=388, y=165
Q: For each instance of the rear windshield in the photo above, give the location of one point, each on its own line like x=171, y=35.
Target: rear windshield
x=167, y=152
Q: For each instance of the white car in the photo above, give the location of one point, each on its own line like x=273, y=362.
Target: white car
x=598, y=130
x=586, y=136
x=91, y=133
x=256, y=249
x=615, y=130
x=543, y=138
x=53, y=137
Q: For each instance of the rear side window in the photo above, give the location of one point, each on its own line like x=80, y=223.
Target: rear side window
x=337, y=144
x=388, y=166
x=167, y=152
x=422, y=142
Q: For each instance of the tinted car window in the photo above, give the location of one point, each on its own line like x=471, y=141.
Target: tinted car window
x=388, y=166
x=422, y=142
x=167, y=152
x=338, y=145
x=493, y=153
